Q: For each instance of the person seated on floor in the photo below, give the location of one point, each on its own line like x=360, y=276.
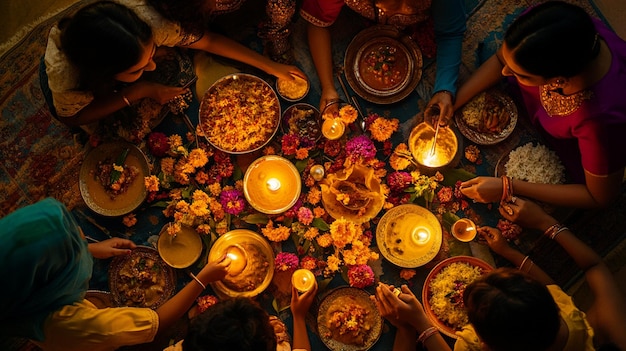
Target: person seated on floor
x=521, y=309
x=96, y=58
x=570, y=70
x=274, y=27
x=448, y=16
x=241, y=324
x=45, y=266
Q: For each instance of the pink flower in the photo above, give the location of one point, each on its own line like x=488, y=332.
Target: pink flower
x=286, y=261
x=305, y=216
x=398, y=181
x=232, y=201
x=509, y=229
x=361, y=147
x=290, y=144
x=360, y=276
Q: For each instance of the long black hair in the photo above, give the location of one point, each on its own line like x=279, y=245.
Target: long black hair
x=511, y=311
x=553, y=39
x=102, y=40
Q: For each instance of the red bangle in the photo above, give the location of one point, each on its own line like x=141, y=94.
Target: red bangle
x=427, y=333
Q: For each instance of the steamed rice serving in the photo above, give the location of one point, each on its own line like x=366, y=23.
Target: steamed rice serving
x=535, y=164
x=446, y=299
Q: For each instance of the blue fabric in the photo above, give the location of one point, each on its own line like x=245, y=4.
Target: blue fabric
x=44, y=265
x=449, y=17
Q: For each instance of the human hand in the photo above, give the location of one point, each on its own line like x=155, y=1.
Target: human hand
x=440, y=109
x=483, y=189
x=329, y=96
x=111, y=247
x=286, y=72
x=300, y=303
x=215, y=270
x=496, y=241
x=527, y=214
x=401, y=310
x=159, y=92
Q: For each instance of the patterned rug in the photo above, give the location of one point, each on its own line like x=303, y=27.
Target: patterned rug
x=42, y=159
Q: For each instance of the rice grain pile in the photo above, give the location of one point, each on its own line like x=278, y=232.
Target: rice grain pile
x=535, y=164
x=447, y=288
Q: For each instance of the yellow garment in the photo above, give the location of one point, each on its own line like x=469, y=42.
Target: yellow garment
x=580, y=332
x=82, y=326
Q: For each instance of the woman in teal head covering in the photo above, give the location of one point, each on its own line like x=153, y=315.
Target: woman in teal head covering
x=45, y=266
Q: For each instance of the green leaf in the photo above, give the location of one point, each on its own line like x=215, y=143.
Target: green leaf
x=301, y=165
x=277, y=308
x=448, y=219
x=256, y=218
x=115, y=174
x=320, y=224
x=237, y=174
x=451, y=176
x=162, y=204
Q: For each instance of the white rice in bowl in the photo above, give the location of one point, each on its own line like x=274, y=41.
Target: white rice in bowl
x=446, y=300
x=535, y=164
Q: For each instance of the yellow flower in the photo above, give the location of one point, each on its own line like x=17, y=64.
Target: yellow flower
x=151, y=183
x=333, y=263
x=199, y=208
x=349, y=257
x=398, y=163
x=198, y=158
x=174, y=141
x=118, y=168
x=343, y=232
x=314, y=196
x=383, y=128
x=215, y=189
x=182, y=206
x=173, y=228
x=199, y=195
x=311, y=233
x=276, y=234
x=167, y=165
x=348, y=114
x=324, y=240
x=203, y=229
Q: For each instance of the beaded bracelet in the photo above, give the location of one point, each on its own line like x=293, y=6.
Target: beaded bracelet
x=197, y=280
x=427, y=333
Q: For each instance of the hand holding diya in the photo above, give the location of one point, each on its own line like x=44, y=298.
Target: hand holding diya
x=303, y=280
x=238, y=259
x=336, y=118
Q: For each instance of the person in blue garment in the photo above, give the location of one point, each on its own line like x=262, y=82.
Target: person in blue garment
x=523, y=309
x=45, y=266
x=448, y=21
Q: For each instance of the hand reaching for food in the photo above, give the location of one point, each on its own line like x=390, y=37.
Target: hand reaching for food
x=111, y=247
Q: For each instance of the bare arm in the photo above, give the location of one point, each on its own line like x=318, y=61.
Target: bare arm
x=486, y=76
x=178, y=305
x=220, y=45
x=300, y=305
x=321, y=53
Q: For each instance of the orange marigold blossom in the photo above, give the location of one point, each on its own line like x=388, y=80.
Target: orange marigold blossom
x=302, y=153
x=324, y=240
x=382, y=128
x=151, y=183
x=129, y=220
x=343, y=232
x=278, y=234
x=407, y=274
x=318, y=212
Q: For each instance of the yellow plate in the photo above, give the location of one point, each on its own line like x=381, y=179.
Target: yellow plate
x=399, y=236
x=93, y=192
x=257, y=274
x=182, y=250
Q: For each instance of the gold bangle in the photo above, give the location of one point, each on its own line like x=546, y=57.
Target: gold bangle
x=563, y=228
x=197, y=280
x=523, y=262
x=126, y=100
x=427, y=333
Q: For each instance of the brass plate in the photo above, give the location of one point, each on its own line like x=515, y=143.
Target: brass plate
x=362, y=298
x=182, y=250
x=92, y=191
x=241, y=237
x=236, y=109
x=408, y=57
x=395, y=232
x=426, y=293
x=165, y=274
x=488, y=138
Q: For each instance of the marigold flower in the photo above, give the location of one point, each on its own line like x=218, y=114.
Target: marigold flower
x=302, y=153
x=199, y=209
x=173, y=228
x=382, y=128
x=324, y=240
x=319, y=212
x=333, y=263
x=308, y=262
x=203, y=229
x=343, y=232
x=472, y=153
x=445, y=194
x=151, y=183
x=311, y=233
x=407, y=274
x=269, y=150
x=198, y=158
x=215, y=189
x=175, y=141
x=129, y=220
x=201, y=177
x=278, y=234
x=348, y=114
x=286, y=261
x=314, y=196
x=167, y=165
x=182, y=206
x=361, y=276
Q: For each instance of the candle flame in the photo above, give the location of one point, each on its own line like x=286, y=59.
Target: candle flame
x=273, y=184
x=232, y=256
x=421, y=235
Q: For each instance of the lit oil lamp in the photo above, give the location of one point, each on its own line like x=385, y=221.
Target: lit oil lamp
x=333, y=128
x=422, y=145
x=303, y=280
x=272, y=184
x=464, y=230
x=420, y=236
x=238, y=259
